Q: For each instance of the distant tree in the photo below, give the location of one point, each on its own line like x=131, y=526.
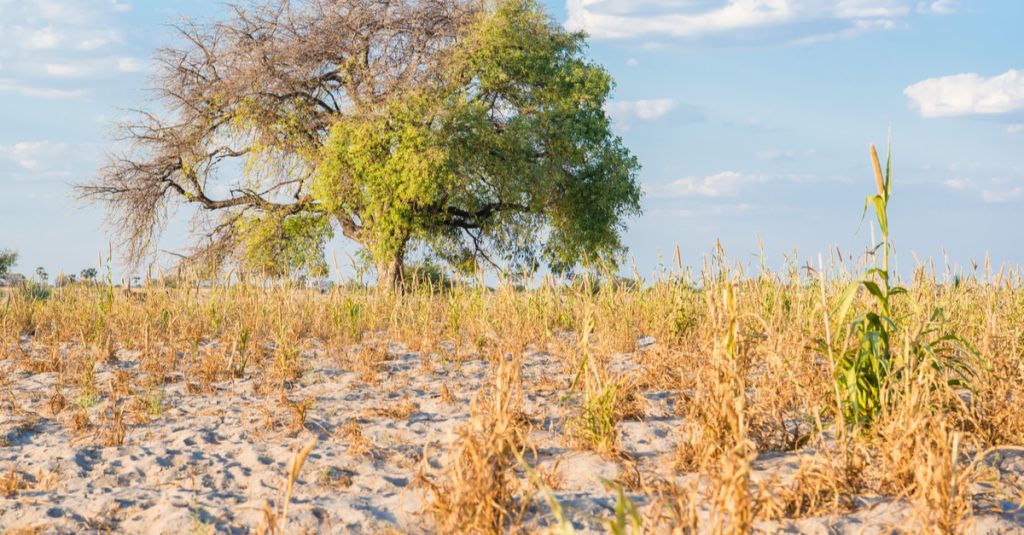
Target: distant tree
x=472, y=130
x=168, y=281
x=42, y=275
x=14, y=279
x=8, y=259
x=88, y=274
x=66, y=280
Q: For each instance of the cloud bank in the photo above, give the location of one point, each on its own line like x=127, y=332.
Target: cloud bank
x=802, y=21
x=55, y=48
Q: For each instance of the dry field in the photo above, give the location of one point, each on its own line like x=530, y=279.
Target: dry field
x=704, y=402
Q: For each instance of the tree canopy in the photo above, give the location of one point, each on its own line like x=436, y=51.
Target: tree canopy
x=7, y=260
x=472, y=130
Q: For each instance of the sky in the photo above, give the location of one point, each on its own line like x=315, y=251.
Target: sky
x=751, y=119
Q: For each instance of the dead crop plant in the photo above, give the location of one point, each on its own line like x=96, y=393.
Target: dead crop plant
x=480, y=491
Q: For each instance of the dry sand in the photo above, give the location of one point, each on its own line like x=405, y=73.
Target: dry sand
x=209, y=461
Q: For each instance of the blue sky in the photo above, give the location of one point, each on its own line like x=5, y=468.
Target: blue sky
x=751, y=119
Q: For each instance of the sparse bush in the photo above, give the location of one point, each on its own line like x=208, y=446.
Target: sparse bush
x=33, y=291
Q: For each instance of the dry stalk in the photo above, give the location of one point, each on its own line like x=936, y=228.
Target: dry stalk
x=481, y=492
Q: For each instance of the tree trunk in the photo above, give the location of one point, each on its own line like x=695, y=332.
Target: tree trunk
x=389, y=273
x=390, y=265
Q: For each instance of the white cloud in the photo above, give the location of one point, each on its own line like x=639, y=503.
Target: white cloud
x=855, y=28
x=29, y=90
x=939, y=7
x=44, y=44
x=993, y=190
x=968, y=94
x=615, y=19
x=727, y=184
x=724, y=184
x=47, y=162
x=625, y=113
x=958, y=184
x=67, y=70
x=802, y=20
x=120, y=7
x=57, y=24
x=44, y=39
x=99, y=39
x=33, y=156
x=644, y=110
x=861, y=9
x=69, y=12
x=131, y=65
x=95, y=68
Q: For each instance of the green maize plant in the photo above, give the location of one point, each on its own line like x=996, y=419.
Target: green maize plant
x=869, y=367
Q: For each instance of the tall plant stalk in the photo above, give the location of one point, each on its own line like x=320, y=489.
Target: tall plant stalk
x=868, y=368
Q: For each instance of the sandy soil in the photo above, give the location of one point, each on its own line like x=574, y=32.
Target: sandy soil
x=211, y=460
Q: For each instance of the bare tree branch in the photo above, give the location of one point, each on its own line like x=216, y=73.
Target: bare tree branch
x=258, y=92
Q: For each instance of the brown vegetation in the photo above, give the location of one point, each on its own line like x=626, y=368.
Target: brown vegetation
x=737, y=355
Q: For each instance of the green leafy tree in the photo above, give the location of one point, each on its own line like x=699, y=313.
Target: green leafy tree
x=472, y=131
x=8, y=259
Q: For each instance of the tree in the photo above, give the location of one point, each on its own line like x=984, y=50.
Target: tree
x=88, y=274
x=473, y=131
x=8, y=259
x=42, y=275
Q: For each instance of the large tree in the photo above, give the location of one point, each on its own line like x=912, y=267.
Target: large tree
x=472, y=130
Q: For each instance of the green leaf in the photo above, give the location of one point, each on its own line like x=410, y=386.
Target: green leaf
x=888, y=167
x=843, y=307
x=883, y=221
x=874, y=290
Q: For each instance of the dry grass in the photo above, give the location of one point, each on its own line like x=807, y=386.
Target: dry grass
x=738, y=355
x=275, y=519
x=11, y=482
x=401, y=410
x=479, y=491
